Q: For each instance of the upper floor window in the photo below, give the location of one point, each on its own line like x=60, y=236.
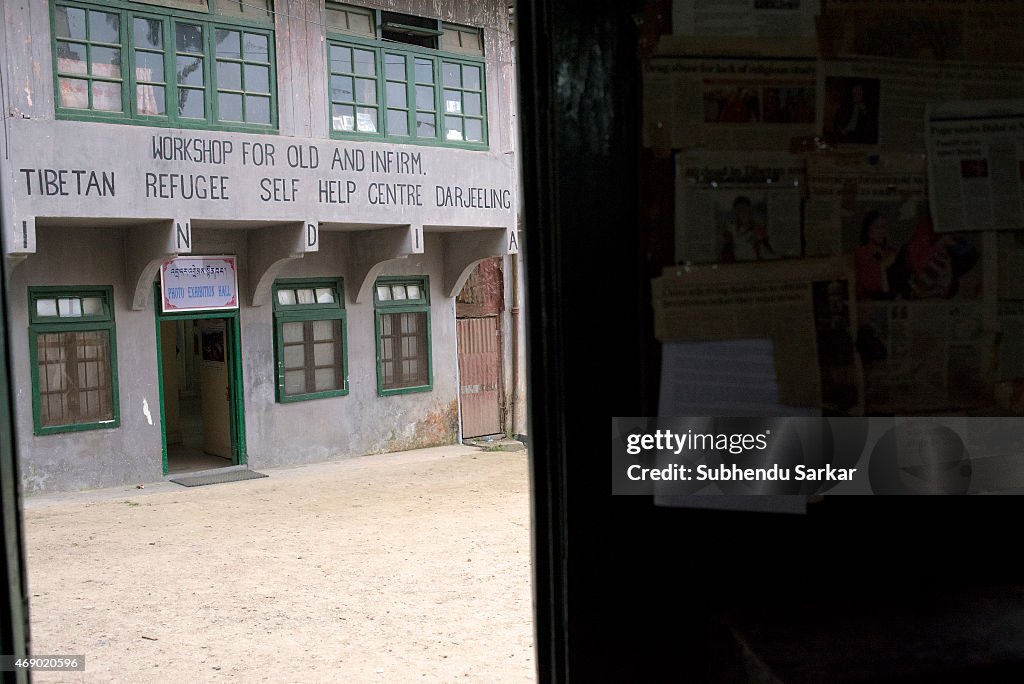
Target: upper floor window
x=184, y=63
x=405, y=78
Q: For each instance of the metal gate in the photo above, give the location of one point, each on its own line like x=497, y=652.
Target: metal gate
x=479, y=375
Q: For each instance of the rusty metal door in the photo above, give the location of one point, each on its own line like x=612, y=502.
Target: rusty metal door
x=479, y=375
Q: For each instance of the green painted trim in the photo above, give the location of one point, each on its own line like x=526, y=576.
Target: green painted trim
x=197, y=315
x=45, y=325
x=402, y=306
x=422, y=281
x=55, y=291
x=438, y=57
x=463, y=90
x=93, y=117
x=293, y=313
x=328, y=315
x=237, y=389
x=350, y=136
x=210, y=23
x=236, y=379
x=337, y=284
x=88, y=77
x=194, y=15
x=160, y=389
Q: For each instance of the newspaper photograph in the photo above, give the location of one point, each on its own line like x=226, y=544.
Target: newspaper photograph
x=976, y=165
x=879, y=213
x=735, y=94
x=733, y=206
x=843, y=189
x=930, y=30
x=745, y=17
x=878, y=105
x=805, y=307
x=924, y=322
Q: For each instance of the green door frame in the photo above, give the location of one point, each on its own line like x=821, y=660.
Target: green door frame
x=234, y=345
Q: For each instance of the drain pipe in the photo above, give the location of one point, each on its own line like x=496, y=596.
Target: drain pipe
x=515, y=344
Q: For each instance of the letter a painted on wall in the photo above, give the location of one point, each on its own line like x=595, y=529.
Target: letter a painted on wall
x=513, y=243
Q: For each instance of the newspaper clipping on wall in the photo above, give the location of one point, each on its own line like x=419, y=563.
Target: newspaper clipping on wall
x=744, y=17
x=1011, y=264
x=976, y=165
x=1011, y=314
x=738, y=206
x=931, y=30
x=842, y=189
x=879, y=105
x=925, y=328
x=1011, y=339
x=730, y=94
x=804, y=306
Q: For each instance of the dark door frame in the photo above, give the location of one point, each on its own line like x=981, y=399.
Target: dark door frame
x=578, y=110
x=14, y=625
x=577, y=118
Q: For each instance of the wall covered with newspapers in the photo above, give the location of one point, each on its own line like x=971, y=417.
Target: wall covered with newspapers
x=849, y=189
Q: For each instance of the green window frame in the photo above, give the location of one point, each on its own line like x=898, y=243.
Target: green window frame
x=419, y=95
x=160, y=64
x=402, y=326
x=310, y=339
x=73, y=349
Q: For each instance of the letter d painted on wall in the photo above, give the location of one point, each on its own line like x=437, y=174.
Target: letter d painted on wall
x=312, y=237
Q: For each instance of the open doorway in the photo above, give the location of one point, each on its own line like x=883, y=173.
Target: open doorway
x=199, y=371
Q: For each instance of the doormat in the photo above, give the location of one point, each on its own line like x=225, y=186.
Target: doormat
x=217, y=478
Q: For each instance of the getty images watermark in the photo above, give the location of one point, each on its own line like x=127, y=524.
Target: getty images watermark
x=705, y=442
x=681, y=456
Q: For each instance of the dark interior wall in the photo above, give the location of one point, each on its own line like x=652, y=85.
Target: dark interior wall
x=637, y=586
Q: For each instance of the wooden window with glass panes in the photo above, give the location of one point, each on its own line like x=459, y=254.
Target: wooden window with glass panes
x=183, y=63
x=403, y=335
x=73, y=348
x=405, y=78
x=310, y=342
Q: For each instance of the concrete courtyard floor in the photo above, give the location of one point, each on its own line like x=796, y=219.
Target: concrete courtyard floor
x=403, y=567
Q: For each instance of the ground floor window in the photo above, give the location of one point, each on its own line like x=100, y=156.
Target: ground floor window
x=402, y=307
x=72, y=341
x=310, y=342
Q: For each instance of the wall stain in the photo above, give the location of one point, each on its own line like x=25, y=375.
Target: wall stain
x=437, y=428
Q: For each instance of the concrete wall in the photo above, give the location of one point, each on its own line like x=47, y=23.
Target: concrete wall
x=114, y=239
x=276, y=434
x=93, y=458
x=360, y=422
x=301, y=65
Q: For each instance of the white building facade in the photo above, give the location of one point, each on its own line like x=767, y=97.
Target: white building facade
x=236, y=230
